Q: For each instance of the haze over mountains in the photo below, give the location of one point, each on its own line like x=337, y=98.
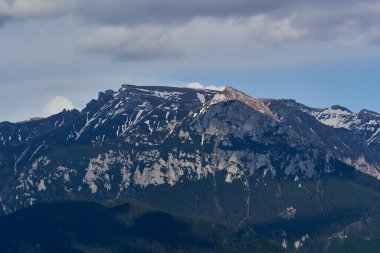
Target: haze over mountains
x=301, y=177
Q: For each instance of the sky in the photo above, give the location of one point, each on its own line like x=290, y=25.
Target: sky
x=57, y=54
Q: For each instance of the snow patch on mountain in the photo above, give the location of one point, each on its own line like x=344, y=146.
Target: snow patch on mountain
x=365, y=123
x=336, y=117
x=201, y=98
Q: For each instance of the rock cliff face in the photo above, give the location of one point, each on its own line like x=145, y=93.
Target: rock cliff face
x=132, y=140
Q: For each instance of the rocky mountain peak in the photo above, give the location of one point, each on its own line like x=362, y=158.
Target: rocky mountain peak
x=367, y=114
x=341, y=108
x=235, y=94
x=230, y=94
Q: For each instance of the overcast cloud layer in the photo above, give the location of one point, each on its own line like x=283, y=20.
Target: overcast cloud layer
x=57, y=47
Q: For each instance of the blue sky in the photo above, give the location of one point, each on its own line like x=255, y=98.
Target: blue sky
x=60, y=53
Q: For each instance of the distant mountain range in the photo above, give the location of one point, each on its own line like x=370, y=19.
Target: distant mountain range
x=305, y=179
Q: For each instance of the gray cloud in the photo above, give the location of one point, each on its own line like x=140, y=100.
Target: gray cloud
x=359, y=22
x=169, y=28
x=133, y=44
x=16, y=10
x=212, y=30
x=170, y=11
x=312, y=20
x=129, y=12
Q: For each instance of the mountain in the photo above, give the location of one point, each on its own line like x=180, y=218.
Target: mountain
x=303, y=177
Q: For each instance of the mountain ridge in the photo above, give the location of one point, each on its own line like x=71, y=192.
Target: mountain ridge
x=218, y=155
x=156, y=112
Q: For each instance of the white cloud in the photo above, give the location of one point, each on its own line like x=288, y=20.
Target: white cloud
x=194, y=86
x=197, y=85
x=213, y=87
x=57, y=105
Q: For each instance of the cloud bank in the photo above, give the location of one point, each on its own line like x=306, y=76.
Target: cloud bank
x=128, y=30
